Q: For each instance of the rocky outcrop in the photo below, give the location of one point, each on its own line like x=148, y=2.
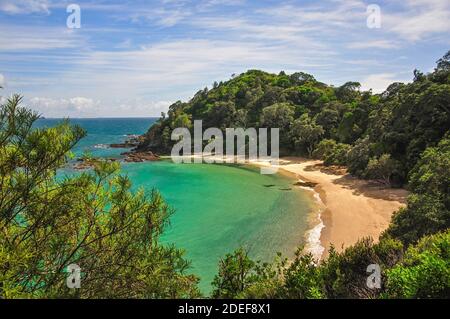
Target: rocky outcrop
x=305, y=184
x=136, y=157
x=132, y=141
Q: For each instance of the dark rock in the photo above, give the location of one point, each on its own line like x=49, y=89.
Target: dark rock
x=132, y=141
x=305, y=184
x=140, y=156
x=122, y=145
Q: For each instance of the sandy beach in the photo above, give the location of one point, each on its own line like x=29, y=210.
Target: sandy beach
x=352, y=208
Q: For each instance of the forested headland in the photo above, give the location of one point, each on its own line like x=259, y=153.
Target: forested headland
x=378, y=136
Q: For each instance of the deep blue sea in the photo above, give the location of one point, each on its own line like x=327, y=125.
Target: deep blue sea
x=104, y=131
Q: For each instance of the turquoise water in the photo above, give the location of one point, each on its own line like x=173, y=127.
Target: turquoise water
x=102, y=132
x=218, y=207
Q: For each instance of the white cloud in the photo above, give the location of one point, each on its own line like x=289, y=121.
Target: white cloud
x=379, y=82
x=24, y=6
x=24, y=38
x=88, y=107
x=415, y=20
x=2, y=80
x=371, y=44
x=83, y=104
x=245, y=29
x=210, y=43
x=162, y=17
x=140, y=107
x=65, y=107
x=328, y=15
x=420, y=18
x=211, y=4
x=170, y=68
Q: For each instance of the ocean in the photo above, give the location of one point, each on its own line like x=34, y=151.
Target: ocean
x=218, y=207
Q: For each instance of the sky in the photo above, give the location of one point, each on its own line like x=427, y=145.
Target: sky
x=135, y=58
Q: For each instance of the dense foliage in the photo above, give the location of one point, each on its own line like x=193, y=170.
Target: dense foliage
x=377, y=136
x=428, y=209
x=92, y=220
x=400, y=136
x=423, y=271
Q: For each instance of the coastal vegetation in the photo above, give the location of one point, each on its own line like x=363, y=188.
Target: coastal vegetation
x=420, y=271
x=91, y=219
x=399, y=137
x=413, y=253
x=377, y=136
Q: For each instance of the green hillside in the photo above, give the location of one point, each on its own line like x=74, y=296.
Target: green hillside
x=378, y=136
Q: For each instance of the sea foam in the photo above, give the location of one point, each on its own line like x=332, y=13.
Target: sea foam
x=313, y=243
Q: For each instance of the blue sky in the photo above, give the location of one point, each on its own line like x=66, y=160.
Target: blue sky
x=133, y=58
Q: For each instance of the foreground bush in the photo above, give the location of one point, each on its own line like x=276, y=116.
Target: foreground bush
x=92, y=220
x=424, y=271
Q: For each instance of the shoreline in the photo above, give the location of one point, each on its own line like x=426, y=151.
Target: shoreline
x=313, y=235
x=348, y=208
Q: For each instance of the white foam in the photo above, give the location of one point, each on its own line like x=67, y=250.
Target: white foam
x=313, y=243
x=102, y=146
x=318, y=199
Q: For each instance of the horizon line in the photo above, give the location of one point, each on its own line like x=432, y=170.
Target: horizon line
x=100, y=117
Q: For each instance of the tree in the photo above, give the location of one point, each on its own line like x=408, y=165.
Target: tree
x=324, y=148
x=441, y=73
x=358, y=157
x=411, y=118
x=241, y=277
x=344, y=274
x=166, y=138
x=392, y=89
x=418, y=76
x=92, y=219
x=331, y=152
x=300, y=78
x=350, y=128
x=424, y=271
x=443, y=64
x=328, y=118
x=428, y=209
x=348, y=91
x=182, y=120
x=306, y=133
x=279, y=115
x=382, y=169
x=302, y=279
x=234, y=275
x=223, y=115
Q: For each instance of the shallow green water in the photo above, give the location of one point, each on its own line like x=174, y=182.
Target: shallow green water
x=219, y=208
